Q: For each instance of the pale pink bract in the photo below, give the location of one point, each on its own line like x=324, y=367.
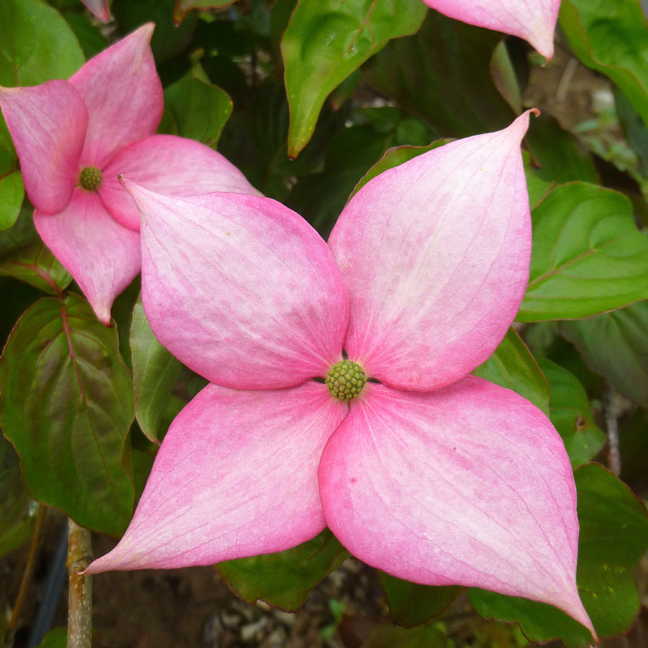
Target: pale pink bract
x=99, y=8
x=430, y=474
x=532, y=20
x=105, y=114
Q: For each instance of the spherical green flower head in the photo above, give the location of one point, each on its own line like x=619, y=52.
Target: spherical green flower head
x=90, y=178
x=346, y=380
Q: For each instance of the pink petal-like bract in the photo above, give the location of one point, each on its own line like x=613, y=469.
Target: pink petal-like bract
x=240, y=288
x=101, y=255
x=468, y=485
x=123, y=94
x=235, y=477
x=47, y=124
x=435, y=253
x=533, y=20
x=99, y=8
x=173, y=166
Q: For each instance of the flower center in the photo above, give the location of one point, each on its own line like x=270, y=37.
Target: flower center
x=346, y=380
x=90, y=178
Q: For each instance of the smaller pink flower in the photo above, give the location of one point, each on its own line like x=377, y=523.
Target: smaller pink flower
x=99, y=8
x=73, y=137
x=341, y=393
x=532, y=20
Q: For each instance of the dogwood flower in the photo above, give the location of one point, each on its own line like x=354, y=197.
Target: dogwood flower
x=340, y=392
x=532, y=20
x=73, y=137
x=99, y=8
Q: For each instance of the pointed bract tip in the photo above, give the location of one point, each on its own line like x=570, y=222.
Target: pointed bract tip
x=146, y=30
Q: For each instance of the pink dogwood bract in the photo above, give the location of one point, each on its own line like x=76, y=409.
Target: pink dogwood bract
x=532, y=20
x=99, y=8
x=84, y=131
x=423, y=471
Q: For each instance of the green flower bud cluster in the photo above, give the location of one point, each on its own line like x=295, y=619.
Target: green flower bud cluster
x=346, y=380
x=90, y=178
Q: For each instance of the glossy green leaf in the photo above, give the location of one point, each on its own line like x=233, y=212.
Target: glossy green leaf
x=284, y=579
x=67, y=409
x=411, y=604
x=36, y=44
x=162, y=385
x=615, y=345
x=388, y=636
x=558, y=156
x=588, y=256
x=393, y=157
x=538, y=621
x=571, y=413
x=442, y=74
x=15, y=520
x=610, y=37
x=196, y=108
x=613, y=538
x=183, y=7
x=12, y=193
x=36, y=265
x=326, y=40
x=514, y=367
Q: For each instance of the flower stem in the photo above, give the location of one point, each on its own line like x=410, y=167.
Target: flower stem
x=79, y=587
x=25, y=582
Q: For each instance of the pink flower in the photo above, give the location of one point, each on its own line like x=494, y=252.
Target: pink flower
x=74, y=136
x=422, y=471
x=99, y=8
x=533, y=20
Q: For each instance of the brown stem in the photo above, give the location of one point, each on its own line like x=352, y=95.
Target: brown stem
x=79, y=587
x=613, y=411
x=25, y=583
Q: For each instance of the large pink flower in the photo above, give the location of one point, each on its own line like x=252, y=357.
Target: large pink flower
x=533, y=20
x=422, y=470
x=74, y=136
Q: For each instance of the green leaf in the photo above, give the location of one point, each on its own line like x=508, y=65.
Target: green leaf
x=66, y=407
x=196, y=108
x=615, y=345
x=610, y=37
x=284, y=579
x=37, y=266
x=411, y=604
x=571, y=413
x=12, y=193
x=162, y=385
x=21, y=233
x=613, y=538
x=392, y=158
x=36, y=44
x=56, y=638
x=588, y=256
x=539, y=622
x=514, y=367
x=442, y=75
x=15, y=521
x=326, y=40
x=387, y=636
x=558, y=156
